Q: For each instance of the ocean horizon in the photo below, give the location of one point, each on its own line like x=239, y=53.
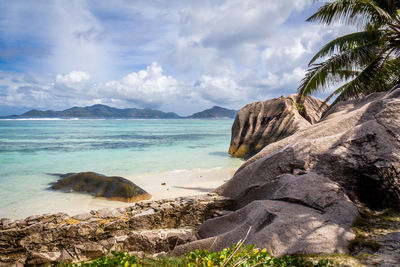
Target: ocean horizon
x=189, y=155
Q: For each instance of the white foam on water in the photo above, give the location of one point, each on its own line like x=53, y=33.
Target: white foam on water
x=177, y=171
x=34, y=119
x=149, y=155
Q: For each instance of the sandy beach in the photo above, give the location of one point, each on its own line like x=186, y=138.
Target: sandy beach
x=178, y=183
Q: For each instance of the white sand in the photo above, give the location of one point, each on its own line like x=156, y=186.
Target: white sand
x=177, y=183
x=180, y=183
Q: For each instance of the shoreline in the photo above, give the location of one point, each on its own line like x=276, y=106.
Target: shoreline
x=154, y=226
x=182, y=183
x=178, y=183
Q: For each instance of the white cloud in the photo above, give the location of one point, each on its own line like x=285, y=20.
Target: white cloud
x=236, y=22
x=228, y=34
x=146, y=86
x=65, y=35
x=227, y=52
x=219, y=89
x=292, y=51
x=276, y=81
x=74, y=79
x=240, y=51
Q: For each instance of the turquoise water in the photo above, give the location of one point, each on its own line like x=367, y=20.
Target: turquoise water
x=30, y=150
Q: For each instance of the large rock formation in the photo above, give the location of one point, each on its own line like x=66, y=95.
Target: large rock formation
x=150, y=226
x=98, y=185
x=261, y=123
x=299, y=194
x=287, y=215
x=357, y=144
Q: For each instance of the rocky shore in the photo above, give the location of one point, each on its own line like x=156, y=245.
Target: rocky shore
x=150, y=226
x=301, y=193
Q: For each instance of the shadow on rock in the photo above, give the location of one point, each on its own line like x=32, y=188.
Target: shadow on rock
x=300, y=194
x=101, y=186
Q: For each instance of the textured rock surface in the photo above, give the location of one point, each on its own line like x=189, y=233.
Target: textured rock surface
x=98, y=185
x=297, y=194
x=261, y=123
x=379, y=233
x=150, y=226
x=357, y=144
x=311, y=109
x=294, y=214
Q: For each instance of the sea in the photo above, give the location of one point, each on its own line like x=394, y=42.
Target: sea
x=166, y=157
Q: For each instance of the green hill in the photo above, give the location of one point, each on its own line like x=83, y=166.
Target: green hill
x=99, y=111
x=215, y=113
x=103, y=111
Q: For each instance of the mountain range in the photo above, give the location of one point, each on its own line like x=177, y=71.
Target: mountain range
x=103, y=111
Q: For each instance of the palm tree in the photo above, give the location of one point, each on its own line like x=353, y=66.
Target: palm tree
x=364, y=62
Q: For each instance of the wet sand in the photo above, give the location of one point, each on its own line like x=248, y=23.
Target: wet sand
x=160, y=185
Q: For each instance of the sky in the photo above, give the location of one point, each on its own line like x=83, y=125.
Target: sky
x=175, y=56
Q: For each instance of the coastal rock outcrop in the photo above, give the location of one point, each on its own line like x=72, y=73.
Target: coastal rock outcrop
x=357, y=145
x=261, y=123
x=149, y=226
x=311, y=108
x=304, y=214
x=299, y=194
x=98, y=185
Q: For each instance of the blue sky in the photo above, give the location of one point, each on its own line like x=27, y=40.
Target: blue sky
x=180, y=56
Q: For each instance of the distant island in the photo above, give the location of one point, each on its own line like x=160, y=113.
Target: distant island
x=104, y=111
x=215, y=112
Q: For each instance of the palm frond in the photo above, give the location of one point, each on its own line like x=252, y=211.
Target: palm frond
x=351, y=12
x=395, y=73
x=392, y=35
x=374, y=78
x=335, y=69
x=367, y=61
x=347, y=75
x=392, y=68
x=343, y=43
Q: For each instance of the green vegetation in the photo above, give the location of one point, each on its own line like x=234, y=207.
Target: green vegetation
x=372, y=223
x=361, y=241
x=122, y=259
x=338, y=259
x=238, y=255
x=215, y=112
x=299, y=106
x=364, y=62
x=99, y=111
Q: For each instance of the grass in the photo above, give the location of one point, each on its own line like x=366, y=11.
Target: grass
x=238, y=255
x=361, y=241
x=338, y=259
x=372, y=223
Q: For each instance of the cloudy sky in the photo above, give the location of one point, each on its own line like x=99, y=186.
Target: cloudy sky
x=180, y=56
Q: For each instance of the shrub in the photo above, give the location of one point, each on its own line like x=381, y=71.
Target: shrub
x=238, y=255
x=299, y=106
